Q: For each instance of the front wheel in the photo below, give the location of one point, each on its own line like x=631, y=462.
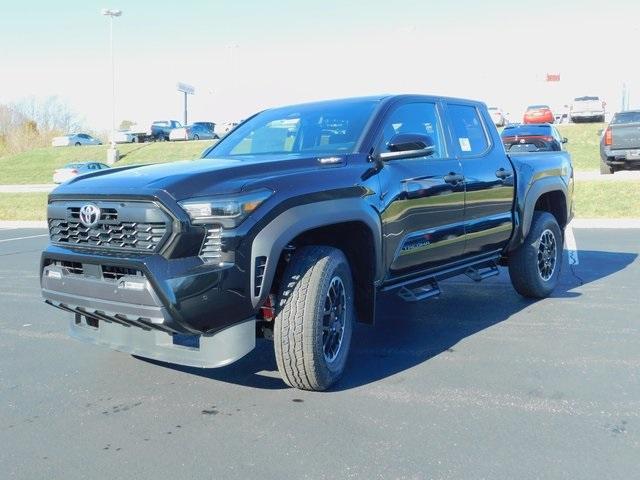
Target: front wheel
x=534, y=267
x=314, y=322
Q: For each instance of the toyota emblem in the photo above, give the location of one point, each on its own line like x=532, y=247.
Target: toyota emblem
x=89, y=215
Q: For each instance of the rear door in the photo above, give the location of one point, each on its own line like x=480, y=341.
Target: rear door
x=423, y=198
x=489, y=180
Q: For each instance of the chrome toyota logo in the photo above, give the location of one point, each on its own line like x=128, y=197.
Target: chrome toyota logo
x=89, y=215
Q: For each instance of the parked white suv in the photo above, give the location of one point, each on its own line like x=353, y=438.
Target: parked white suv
x=587, y=109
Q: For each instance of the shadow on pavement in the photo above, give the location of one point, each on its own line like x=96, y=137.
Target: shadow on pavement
x=407, y=334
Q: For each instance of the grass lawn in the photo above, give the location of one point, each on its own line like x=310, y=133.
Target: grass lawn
x=37, y=166
x=593, y=199
x=23, y=206
x=584, y=144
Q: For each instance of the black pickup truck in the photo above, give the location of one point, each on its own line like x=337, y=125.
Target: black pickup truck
x=292, y=225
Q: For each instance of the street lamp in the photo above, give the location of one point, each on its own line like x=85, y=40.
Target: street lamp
x=112, y=153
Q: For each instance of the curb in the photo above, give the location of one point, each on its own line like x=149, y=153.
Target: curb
x=28, y=188
x=598, y=223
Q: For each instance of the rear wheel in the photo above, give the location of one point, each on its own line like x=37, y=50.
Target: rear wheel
x=606, y=169
x=534, y=268
x=314, y=323
x=196, y=137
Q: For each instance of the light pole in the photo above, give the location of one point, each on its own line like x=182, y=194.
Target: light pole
x=112, y=153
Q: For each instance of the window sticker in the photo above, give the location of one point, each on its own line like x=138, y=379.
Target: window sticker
x=465, y=144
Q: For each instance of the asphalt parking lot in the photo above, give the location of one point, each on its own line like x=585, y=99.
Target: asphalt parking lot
x=478, y=383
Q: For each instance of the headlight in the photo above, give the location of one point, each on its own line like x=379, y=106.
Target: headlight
x=229, y=210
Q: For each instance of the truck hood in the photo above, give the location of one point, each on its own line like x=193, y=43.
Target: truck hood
x=185, y=179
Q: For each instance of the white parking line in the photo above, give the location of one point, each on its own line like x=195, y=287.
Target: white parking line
x=22, y=238
x=572, y=247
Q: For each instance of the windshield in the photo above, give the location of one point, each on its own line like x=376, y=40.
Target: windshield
x=527, y=130
x=325, y=128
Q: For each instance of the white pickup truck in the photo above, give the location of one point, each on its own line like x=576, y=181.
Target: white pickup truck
x=587, y=109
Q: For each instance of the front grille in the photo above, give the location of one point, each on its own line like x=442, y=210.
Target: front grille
x=74, y=268
x=105, y=213
x=110, y=272
x=211, y=250
x=122, y=226
x=122, y=235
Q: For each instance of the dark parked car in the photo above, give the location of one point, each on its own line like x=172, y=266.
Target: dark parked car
x=620, y=142
x=541, y=137
x=160, y=130
x=293, y=223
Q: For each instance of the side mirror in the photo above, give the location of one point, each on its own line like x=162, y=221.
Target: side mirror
x=565, y=140
x=408, y=145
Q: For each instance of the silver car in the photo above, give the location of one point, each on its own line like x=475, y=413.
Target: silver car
x=71, y=170
x=76, y=139
x=195, y=131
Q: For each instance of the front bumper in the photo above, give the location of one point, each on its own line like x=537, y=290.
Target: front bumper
x=202, y=351
x=148, y=306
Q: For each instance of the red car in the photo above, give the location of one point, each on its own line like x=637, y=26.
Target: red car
x=538, y=114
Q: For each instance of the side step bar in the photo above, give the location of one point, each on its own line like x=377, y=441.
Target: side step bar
x=422, y=292
x=479, y=274
x=426, y=286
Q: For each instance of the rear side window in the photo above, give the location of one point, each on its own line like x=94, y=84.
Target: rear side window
x=626, y=117
x=469, y=133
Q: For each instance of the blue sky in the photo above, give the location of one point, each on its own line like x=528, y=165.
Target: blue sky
x=244, y=55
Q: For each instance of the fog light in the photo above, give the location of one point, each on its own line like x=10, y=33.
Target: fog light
x=54, y=274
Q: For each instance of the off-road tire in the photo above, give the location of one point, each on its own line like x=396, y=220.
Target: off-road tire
x=298, y=329
x=524, y=268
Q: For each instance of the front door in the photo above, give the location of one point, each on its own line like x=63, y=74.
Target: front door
x=422, y=198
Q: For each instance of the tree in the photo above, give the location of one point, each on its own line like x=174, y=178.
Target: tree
x=126, y=124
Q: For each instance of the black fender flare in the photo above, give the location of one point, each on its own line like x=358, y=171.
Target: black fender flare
x=526, y=204
x=277, y=234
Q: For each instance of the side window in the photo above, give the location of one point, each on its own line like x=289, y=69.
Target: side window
x=468, y=130
x=419, y=118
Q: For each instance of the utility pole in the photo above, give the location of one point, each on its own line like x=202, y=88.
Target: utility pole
x=112, y=153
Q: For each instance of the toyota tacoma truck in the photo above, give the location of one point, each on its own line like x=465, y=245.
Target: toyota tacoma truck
x=620, y=142
x=294, y=224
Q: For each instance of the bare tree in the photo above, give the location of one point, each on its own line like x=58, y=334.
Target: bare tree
x=33, y=122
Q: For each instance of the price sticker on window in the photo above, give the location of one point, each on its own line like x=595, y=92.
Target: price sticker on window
x=465, y=144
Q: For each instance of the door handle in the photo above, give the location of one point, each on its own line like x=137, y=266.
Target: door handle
x=453, y=178
x=502, y=173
